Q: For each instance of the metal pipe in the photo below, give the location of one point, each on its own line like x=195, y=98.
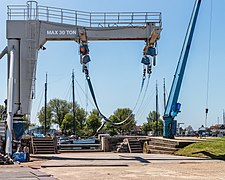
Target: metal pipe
x=10, y=104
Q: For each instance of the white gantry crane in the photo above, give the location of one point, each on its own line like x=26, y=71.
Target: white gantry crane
x=30, y=26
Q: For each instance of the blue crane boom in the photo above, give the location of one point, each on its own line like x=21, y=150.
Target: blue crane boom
x=173, y=107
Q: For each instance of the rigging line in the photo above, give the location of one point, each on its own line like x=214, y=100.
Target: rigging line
x=209, y=59
x=161, y=105
x=209, y=55
x=38, y=109
x=84, y=92
x=67, y=92
x=39, y=94
x=149, y=98
x=79, y=96
x=70, y=94
x=139, y=96
x=146, y=104
x=146, y=88
x=142, y=86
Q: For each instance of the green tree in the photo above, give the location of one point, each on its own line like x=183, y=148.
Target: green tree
x=118, y=116
x=80, y=116
x=67, y=124
x=61, y=112
x=160, y=127
x=41, y=116
x=59, y=108
x=146, y=127
x=93, y=122
x=151, y=124
x=152, y=116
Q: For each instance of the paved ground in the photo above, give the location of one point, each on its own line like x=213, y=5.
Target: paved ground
x=117, y=166
x=99, y=166
x=12, y=172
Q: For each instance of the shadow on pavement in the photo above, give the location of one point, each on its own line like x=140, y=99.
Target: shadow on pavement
x=121, y=158
x=208, y=154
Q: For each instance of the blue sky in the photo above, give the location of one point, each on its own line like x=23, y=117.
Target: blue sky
x=116, y=69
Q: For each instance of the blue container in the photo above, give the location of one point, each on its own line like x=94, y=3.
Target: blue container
x=19, y=156
x=86, y=59
x=145, y=60
x=151, y=51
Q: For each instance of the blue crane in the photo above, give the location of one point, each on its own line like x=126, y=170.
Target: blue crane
x=173, y=107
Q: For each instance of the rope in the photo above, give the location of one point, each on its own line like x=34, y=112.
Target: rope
x=84, y=93
x=208, y=70
x=78, y=94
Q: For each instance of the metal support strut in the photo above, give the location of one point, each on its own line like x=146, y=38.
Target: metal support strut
x=10, y=105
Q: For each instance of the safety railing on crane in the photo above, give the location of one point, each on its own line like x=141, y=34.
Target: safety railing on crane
x=32, y=11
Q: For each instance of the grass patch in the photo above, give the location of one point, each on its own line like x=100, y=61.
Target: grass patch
x=215, y=149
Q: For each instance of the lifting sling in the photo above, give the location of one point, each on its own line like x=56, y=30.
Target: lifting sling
x=84, y=51
x=105, y=119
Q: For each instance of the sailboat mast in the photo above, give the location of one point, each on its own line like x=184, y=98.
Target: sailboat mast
x=73, y=92
x=46, y=104
x=156, y=111
x=164, y=93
